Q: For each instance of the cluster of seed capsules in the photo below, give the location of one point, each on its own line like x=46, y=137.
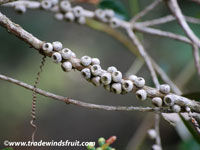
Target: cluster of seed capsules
x=111, y=79
x=79, y=14
x=64, y=11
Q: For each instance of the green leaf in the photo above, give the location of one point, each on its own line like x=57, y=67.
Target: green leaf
x=7, y=148
x=191, y=129
x=116, y=6
x=194, y=96
x=189, y=145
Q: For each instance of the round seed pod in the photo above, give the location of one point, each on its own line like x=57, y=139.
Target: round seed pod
x=96, y=81
x=81, y=20
x=112, y=69
x=73, y=54
x=109, y=13
x=116, y=88
x=169, y=100
x=106, y=78
x=117, y=76
x=114, y=23
x=65, y=6
x=141, y=95
x=139, y=82
x=66, y=53
x=46, y=4
x=86, y=73
x=127, y=85
x=164, y=88
x=107, y=87
x=132, y=78
x=20, y=9
x=152, y=134
x=54, y=2
x=188, y=109
x=56, y=57
x=86, y=60
x=157, y=101
x=96, y=70
x=99, y=13
x=57, y=46
x=47, y=47
x=69, y=16
x=78, y=11
x=95, y=61
x=176, y=108
x=59, y=16
x=67, y=66
x=101, y=141
x=91, y=146
x=156, y=147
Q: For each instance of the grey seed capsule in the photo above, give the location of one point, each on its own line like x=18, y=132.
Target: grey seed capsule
x=57, y=46
x=141, y=95
x=176, y=108
x=65, y=6
x=78, y=11
x=106, y=78
x=139, y=82
x=67, y=66
x=132, y=78
x=20, y=9
x=86, y=73
x=169, y=99
x=157, y=101
x=116, y=88
x=164, y=88
x=127, y=85
x=69, y=16
x=46, y=4
x=96, y=81
x=56, y=57
x=86, y=60
x=96, y=70
x=117, y=76
x=47, y=47
x=95, y=61
x=59, y=16
x=66, y=53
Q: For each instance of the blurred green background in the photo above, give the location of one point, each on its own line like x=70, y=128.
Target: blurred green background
x=56, y=120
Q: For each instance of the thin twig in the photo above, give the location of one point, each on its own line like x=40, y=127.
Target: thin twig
x=161, y=33
x=33, y=41
x=6, y=1
x=175, y=9
x=157, y=129
x=145, y=56
x=145, y=11
x=166, y=19
x=83, y=104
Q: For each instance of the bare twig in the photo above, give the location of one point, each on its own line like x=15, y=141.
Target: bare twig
x=83, y=104
x=145, y=11
x=196, y=57
x=157, y=129
x=6, y=1
x=175, y=9
x=36, y=43
x=145, y=56
x=161, y=33
x=166, y=19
